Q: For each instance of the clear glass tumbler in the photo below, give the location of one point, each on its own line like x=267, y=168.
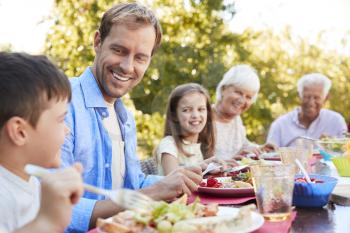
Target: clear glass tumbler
x=289, y=154
x=273, y=186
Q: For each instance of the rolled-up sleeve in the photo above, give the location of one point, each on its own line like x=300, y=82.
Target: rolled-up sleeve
x=150, y=180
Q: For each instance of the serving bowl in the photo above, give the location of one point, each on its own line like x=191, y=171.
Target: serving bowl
x=332, y=147
x=313, y=194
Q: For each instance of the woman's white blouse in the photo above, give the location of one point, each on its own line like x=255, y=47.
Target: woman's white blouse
x=230, y=138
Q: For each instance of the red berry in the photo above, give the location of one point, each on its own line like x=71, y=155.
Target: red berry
x=211, y=182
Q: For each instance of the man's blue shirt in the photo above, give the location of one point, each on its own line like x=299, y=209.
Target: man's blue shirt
x=88, y=143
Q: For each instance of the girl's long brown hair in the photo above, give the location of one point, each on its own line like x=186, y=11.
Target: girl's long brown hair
x=172, y=125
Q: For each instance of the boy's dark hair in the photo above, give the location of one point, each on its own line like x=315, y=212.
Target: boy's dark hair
x=27, y=84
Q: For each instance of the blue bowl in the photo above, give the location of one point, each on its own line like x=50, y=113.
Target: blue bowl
x=313, y=194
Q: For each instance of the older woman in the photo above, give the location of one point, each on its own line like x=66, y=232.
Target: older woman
x=235, y=93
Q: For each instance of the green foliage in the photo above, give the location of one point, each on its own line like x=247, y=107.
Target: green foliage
x=150, y=128
x=150, y=131
x=280, y=61
x=70, y=40
x=198, y=47
x=6, y=47
x=195, y=48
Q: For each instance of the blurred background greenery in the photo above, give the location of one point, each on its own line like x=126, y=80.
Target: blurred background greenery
x=198, y=47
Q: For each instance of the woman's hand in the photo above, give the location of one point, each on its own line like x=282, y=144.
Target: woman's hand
x=249, y=152
x=269, y=147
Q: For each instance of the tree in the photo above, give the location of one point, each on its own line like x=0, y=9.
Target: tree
x=195, y=46
x=194, y=49
x=198, y=47
x=6, y=47
x=281, y=60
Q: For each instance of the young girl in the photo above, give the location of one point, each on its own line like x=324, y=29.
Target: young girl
x=189, y=134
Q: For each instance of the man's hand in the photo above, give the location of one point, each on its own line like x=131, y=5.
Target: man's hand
x=182, y=180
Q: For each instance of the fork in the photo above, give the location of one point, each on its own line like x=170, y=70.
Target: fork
x=211, y=167
x=126, y=198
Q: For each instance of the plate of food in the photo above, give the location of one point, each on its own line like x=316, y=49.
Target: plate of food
x=332, y=147
x=234, y=186
x=178, y=217
x=333, y=144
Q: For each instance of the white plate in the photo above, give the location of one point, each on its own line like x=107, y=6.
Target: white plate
x=226, y=213
x=271, y=156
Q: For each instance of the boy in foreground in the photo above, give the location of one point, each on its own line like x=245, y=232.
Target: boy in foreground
x=34, y=96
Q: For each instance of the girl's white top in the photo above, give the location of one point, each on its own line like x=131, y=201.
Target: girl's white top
x=167, y=145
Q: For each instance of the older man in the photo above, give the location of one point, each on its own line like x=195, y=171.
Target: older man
x=309, y=119
x=103, y=131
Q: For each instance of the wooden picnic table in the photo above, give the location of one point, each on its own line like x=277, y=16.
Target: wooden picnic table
x=330, y=219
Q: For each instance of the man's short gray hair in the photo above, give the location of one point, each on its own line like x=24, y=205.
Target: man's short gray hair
x=314, y=79
x=241, y=76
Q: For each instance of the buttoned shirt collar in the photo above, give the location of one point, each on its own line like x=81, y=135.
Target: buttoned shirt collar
x=93, y=97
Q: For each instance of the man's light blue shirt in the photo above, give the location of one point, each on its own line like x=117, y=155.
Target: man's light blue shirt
x=88, y=143
x=287, y=128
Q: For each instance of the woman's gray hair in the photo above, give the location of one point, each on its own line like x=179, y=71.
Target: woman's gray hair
x=241, y=76
x=314, y=79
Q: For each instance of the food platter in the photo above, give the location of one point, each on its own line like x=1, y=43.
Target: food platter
x=228, y=192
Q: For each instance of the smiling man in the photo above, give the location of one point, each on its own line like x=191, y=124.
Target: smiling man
x=309, y=119
x=102, y=131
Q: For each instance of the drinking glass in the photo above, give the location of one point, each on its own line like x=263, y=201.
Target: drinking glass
x=289, y=154
x=306, y=148
x=273, y=186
